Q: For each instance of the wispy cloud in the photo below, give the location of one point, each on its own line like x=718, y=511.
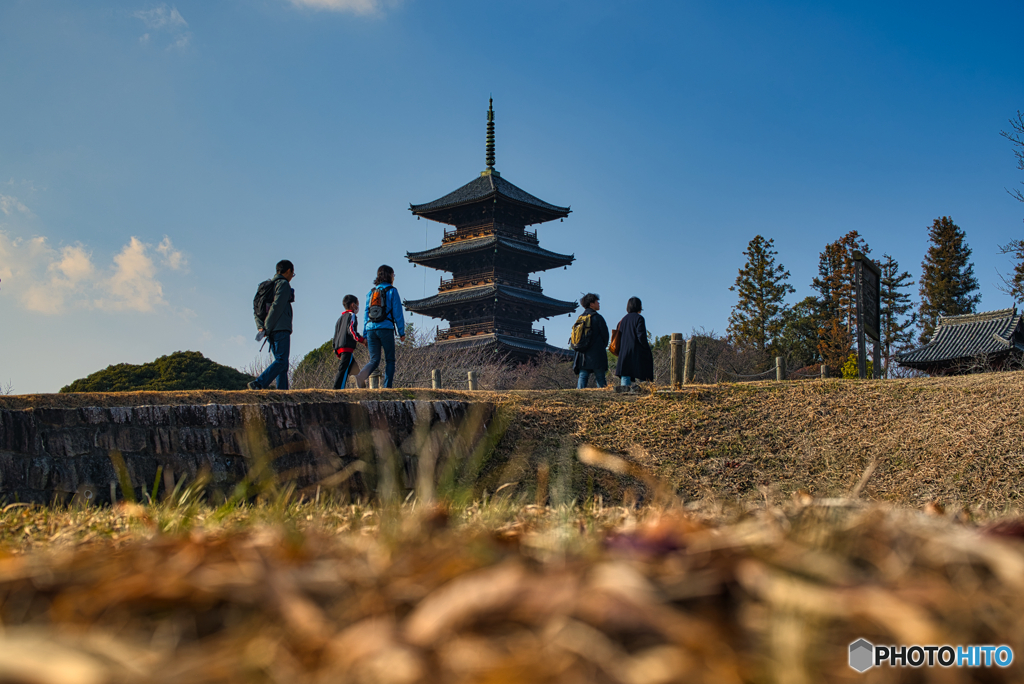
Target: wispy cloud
x=352, y=6
x=10, y=204
x=165, y=20
x=50, y=281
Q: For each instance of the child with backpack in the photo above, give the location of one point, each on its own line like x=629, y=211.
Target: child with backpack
x=381, y=320
x=346, y=337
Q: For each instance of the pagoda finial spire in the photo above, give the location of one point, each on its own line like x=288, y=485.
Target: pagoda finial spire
x=490, y=136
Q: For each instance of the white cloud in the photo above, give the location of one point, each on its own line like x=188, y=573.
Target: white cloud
x=166, y=20
x=172, y=258
x=51, y=281
x=133, y=284
x=9, y=204
x=353, y=6
x=162, y=17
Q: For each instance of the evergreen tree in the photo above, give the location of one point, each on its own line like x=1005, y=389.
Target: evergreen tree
x=799, y=338
x=947, y=284
x=837, y=306
x=896, y=327
x=758, y=317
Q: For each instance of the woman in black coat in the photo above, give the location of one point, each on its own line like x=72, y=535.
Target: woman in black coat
x=636, y=362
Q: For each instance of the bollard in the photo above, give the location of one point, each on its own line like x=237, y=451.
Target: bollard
x=691, y=353
x=824, y=371
x=375, y=379
x=676, y=374
x=780, y=370
x=472, y=380
x=435, y=379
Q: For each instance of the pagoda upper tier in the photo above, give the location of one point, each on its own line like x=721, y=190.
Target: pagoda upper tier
x=489, y=199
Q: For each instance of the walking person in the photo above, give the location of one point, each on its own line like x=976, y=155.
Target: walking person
x=593, y=359
x=277, y=326
x=382, y=318
x=346, y=337
x=636, y=361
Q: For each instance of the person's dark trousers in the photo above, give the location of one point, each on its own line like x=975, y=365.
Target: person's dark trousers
x=280, y=345
x=378, y=340
x=345, y=362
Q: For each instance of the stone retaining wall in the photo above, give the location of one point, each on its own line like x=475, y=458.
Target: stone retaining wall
x=359, y=449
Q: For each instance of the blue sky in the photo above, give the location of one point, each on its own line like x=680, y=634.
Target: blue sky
x=157, y=159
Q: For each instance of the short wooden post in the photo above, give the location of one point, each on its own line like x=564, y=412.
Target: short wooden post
x=691, y=353
x=435, y=379
x=375, y=378
x=780, y=370
x=472, y=380
x=677, y=360
x=824, y=371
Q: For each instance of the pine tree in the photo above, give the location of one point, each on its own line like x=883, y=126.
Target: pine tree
x=947, y=284
x=837, y=306
x=896, y=327
x=758, y=317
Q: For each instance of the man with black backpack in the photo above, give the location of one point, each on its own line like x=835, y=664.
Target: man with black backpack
x=589, y=339
x=383, y=317
x=276, y=300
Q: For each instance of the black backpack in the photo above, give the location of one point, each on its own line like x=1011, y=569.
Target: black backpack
x=378, y=311
x=263, y=299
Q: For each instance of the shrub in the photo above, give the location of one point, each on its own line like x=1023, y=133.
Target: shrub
x=187, y=370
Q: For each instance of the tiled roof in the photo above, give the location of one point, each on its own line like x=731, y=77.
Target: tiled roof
x=475, y=294
x=485, y=187
x=519, y=343
x=467, y=246
x=964, y=337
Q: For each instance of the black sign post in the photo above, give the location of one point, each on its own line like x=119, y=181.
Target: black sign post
x=868, y=278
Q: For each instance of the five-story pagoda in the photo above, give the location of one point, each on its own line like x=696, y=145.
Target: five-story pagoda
x=490, y=298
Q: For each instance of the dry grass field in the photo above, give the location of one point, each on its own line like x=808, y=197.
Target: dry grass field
x=727, y=533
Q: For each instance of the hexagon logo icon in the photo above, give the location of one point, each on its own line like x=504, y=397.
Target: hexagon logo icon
x=862, y=655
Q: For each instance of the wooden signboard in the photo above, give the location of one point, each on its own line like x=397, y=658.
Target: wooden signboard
x=869, y=281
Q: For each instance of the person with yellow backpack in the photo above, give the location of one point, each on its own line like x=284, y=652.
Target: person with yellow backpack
x=589, y=340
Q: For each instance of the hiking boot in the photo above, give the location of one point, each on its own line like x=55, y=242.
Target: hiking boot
x=254, y=385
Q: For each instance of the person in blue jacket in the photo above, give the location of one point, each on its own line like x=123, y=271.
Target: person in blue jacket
x=382, y=318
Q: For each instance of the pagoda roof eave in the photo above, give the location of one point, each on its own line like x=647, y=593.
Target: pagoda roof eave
x=546, y=306
x=516, y=344
x=433, y=256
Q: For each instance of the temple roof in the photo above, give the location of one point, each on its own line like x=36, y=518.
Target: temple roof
x=475, y=294
x=961, y=338
x=490, y=185
x=547, y=259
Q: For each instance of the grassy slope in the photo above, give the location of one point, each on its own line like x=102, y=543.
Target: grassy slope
x=956, y=440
